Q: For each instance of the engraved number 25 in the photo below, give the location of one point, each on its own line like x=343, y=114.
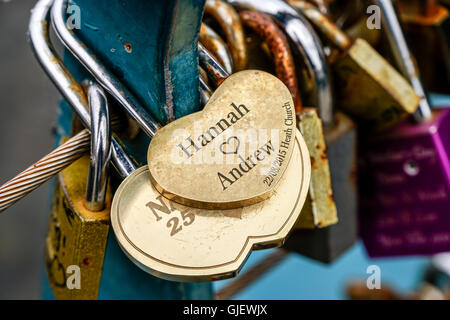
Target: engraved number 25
x=188, y=219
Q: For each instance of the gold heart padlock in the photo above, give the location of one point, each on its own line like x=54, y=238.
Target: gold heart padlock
x=231, y=154
x=178, y=242
x=181, y=243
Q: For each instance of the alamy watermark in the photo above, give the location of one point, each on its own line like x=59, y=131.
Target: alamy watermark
x=74, y=17
x=374, y=21
x=374, y=280
x=74, y=279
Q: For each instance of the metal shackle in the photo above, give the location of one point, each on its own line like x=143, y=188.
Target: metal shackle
x=212, y=67
x=70, y=89
x=306, y=43
x=322, y=6
x=229, y=21
x=103, y=76
x=402, y=56
x=323, y=23
x=280, y=51
x=215, y=44
x=100, y=148
x=205, y=91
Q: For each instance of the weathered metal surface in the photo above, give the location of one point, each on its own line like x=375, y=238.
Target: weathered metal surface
x=216, y=46
x=76, y=236
x=328, y=244
x=120, y=33
x=427, y=28
x=371, y=89
x=278, y=45
x=320, y=208
x=326, y=26
x=368, y=87
x=230, y=23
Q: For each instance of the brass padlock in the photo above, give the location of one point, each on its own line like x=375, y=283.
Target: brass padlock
x=80, y=214
x=368, y=87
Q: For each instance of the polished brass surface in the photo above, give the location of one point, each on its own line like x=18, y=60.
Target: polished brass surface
x=231, y=154
x=180, y=243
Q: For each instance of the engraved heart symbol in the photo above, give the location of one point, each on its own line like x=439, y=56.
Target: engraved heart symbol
x=232, y=145
x=187, y=158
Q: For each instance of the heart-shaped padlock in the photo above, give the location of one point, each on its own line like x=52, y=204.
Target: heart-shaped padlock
x=231, y=154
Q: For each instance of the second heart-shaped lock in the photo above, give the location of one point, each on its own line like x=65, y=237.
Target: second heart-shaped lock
x=231, y=154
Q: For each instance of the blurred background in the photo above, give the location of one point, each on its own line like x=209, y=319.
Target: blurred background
x=27, y=115
x=28, y=107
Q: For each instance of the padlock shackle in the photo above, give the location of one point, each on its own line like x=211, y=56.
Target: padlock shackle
x=229, y=21
x=100, y=148
x=403, y=57
x=205, y=91
x=322, y=6
x=307, y=44
x=69, y=88
x=212, y=67
x=323, y=23
x=215, y=44
x=278, y=45
x=104, y=77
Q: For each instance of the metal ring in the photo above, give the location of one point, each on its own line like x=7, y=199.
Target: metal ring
x=211, y=66
x=231, y=25
x=307, y=44
x=214, y=43
x=281, y=53
x=70, y=89
x=323, y=23
x=205, y=91
x=100, y=148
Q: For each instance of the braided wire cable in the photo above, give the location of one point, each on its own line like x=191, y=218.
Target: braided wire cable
x=40, y=172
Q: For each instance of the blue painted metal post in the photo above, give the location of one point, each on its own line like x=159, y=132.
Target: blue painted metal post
x=151, y=46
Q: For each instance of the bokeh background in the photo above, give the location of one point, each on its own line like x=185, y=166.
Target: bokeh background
x=27, y=115
x=28, y=104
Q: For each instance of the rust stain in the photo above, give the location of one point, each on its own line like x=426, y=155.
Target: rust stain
x=128, y=48
x=216, y=46
x=314, y=165
x=87, y=262
x=279, y=48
